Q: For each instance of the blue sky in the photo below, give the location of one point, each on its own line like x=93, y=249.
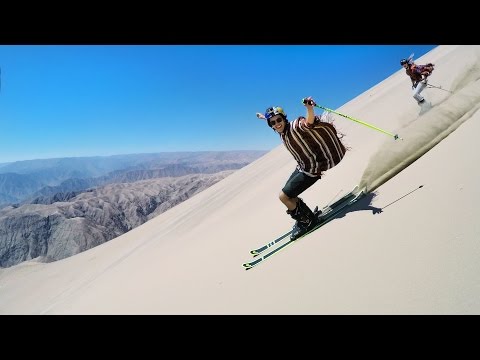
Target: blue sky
x=89, y=100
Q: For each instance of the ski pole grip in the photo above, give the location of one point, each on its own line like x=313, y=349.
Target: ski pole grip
x=306, y=101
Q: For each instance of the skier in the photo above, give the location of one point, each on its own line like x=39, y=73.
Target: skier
x=418, y=75
x=316, y=146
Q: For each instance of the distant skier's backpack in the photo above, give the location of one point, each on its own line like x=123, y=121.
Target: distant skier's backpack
x=428, y=67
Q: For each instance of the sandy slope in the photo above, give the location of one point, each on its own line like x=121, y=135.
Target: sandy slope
x=420, y=255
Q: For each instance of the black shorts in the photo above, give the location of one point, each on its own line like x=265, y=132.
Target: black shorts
x=297, y=183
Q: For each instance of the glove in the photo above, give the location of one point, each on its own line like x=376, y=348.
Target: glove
x=308, y=101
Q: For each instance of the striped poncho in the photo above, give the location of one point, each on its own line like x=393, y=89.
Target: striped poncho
x=316, y=147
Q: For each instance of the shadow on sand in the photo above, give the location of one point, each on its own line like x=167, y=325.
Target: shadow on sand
x=364, y=204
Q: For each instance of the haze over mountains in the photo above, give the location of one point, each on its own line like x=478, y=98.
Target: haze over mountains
x=55, y=208
x=28, y=179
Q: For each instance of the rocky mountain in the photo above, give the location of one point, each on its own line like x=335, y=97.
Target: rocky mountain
x=24, y=181
x=73, y=222
x=14, y=186
x=49, y=194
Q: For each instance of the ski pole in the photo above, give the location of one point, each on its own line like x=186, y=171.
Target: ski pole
x=360, y=122
x=439, y=87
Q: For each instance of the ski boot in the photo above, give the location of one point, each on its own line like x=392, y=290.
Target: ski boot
x=305, y=218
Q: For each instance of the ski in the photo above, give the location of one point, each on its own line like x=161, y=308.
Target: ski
x=325, y=211
x=258, y=251
x=334, y=209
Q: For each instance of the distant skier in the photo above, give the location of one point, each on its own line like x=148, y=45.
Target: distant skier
x=316, y=146
x=418, y=75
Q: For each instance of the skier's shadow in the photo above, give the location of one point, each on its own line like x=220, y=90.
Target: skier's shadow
x=425, y=107
x=361, y=205
x=364, y=204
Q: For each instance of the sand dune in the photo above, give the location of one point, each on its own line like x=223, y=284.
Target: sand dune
x=410, y=247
